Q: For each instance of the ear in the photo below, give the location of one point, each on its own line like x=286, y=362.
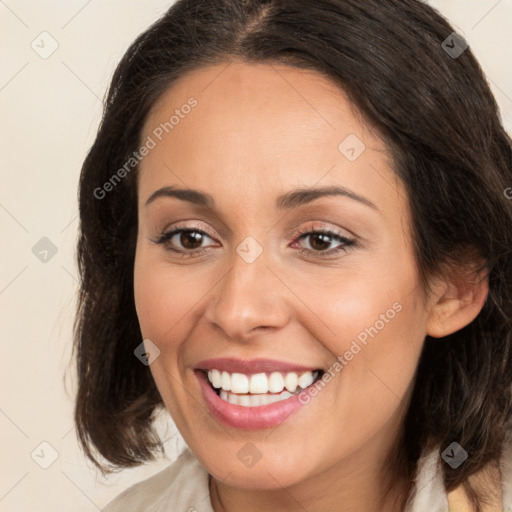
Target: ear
x=457, y=299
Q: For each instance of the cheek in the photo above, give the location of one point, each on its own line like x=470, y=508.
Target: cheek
x=162, y=304
x=150, y=294
x=371, y=323
x=377, y=341
x=162, y=298
x=359, y=305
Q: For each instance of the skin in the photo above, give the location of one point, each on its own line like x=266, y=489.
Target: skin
x=258, y=131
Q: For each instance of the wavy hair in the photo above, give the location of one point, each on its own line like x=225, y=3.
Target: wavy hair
x=439, y=119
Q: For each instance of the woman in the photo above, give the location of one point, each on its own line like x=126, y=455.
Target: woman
x=295, y=236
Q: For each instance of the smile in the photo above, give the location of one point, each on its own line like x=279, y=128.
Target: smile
x=260, y=388
x=247, y=400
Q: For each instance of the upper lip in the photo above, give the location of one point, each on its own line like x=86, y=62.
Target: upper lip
x=233, y=365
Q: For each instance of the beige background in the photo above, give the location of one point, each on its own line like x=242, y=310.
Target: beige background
x=50, y=110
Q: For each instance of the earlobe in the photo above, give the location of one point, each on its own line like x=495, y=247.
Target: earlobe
x=457, y=305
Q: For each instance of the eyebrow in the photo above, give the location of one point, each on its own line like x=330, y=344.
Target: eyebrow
x=292, y=199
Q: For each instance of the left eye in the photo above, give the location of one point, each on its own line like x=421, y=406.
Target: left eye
x=319, y=241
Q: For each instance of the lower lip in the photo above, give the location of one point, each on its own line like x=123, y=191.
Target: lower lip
x=249, y=418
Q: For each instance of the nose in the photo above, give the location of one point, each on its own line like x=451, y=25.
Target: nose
x=249, y=298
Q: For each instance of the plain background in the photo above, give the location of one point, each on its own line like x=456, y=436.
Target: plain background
x=50, y=110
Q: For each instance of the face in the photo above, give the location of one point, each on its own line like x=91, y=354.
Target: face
x=254, y=285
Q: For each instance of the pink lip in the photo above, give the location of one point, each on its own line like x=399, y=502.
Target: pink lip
x=249, y=418
x=233, y=365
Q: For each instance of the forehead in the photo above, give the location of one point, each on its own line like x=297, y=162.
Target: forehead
x=256, y=127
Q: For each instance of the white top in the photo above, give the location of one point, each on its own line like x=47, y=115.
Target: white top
x=183, y=487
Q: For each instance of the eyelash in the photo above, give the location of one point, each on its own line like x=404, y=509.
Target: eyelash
x=302, y=233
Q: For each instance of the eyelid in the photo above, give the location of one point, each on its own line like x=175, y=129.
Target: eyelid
x=294, y=231
x=190, y=225
x=318, y=225
x=187, y=227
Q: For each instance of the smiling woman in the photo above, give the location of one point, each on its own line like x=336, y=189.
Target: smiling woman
x=315, y=260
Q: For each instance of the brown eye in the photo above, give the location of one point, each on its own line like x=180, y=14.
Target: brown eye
x=320, y=241
x=189, y=239
x=183, y=240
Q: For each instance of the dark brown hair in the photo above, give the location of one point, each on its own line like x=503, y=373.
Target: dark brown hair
x=438, y=117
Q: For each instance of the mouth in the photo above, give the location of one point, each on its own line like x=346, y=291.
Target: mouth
x=259, y=389
x=254, y=394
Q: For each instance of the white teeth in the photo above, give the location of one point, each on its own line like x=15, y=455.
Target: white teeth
x=306, y=379
x=253, y=400
x=215, y=378
x=275, y=383
x=239, y=383
x=291, y=381
x=260, y=383
x=244, y=400
x=226, y=381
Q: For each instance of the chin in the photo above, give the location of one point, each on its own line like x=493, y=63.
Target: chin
x=267, y=473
